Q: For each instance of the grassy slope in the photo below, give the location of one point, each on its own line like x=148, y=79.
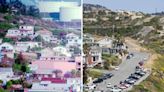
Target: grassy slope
x=155, y=82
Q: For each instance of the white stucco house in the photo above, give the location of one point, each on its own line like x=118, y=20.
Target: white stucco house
x=13, y=33
x=26, y=30
x=61, y=51
x=73, y=40
x=23, y=31
x=108, y=42
x=5, y=74
x=6, y=47
x=45, y=34
x=87, y=38
x=24, y=46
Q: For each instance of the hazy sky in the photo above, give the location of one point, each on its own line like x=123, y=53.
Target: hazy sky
x=147, y=6
x=31, y=2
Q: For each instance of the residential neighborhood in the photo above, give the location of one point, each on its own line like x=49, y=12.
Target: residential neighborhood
x=122, y=48
x=38, y=63
x=38, y=55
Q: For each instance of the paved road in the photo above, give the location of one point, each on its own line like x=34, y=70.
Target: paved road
x=126, y=68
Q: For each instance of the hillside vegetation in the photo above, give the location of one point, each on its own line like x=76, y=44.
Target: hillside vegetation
x=147, y=29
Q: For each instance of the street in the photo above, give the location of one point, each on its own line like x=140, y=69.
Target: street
x=126, y=68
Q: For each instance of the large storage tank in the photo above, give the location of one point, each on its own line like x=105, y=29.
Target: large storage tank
x=50, y=9
x=51, y=6
x=68, y=14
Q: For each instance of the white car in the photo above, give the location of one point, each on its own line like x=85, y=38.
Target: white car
x=116, y=68
x=109, y=85
x=91, y=87
x=115, y=89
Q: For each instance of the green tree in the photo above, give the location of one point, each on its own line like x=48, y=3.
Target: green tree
x=94, y=73
x=5, y=26
x=7, y=40
x=2, y=90
x=8, y=17
x=25, y=68
x=9, y=84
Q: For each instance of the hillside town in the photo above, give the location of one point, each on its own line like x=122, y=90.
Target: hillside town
x=39, y=60
x=38, y=55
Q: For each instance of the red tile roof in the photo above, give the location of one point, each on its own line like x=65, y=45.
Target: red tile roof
x=54, y=80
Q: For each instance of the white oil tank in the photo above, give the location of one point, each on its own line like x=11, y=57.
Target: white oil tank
x=50, y=6
x=68, y=14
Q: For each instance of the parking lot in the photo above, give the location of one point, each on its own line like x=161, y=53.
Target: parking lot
x=126, y=70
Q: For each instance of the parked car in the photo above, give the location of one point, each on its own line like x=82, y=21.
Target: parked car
x=98, y=91
x=109, y=75
x=109, y=85
x=128, y=57
x=115, y=89
x=130, y=81
x=134, y=76
x=131, y=54
x=116, y=68
x=104, y=77
x=140, y=73
x=123, y=86
x=98, y=81
x=90, y=87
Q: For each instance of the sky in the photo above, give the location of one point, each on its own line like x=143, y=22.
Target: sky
x=31, y=2
x=147, y=6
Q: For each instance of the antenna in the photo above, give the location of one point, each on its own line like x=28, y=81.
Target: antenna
x=155, y=10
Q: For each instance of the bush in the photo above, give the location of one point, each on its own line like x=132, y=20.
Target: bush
x=110, y=60
x=8, y=17
x=2, y=90
x=9, y=84
x=1, y=81
x=9, y=40
x=94, y=73
x=5, y=26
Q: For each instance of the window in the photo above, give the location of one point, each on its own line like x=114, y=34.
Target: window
x=94, y=58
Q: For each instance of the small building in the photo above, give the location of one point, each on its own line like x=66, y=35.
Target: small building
x=23, y=31
x=26, y=30
x=61, y=51
x=51, y=64
x=73, y=40
x=6, y=47
x=105, y=42
x=57, y=85
x=46, y=35
x=5, y=73
x=13, y=33
x=87, y=38
x=47, y=52
x=24, y=46
x=95, y=56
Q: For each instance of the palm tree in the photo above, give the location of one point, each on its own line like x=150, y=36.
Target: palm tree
x=86, y=50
